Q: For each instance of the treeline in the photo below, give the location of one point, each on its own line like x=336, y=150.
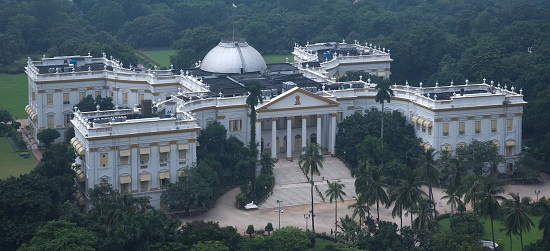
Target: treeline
x=505, y=41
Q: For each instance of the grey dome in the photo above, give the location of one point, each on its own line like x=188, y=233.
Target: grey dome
x=233, y=56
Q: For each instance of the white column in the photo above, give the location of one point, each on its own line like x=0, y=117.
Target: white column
x=304, y=132
x=274, y=138
x=193, y=150
x=332, y=132
x=288, y=138
x=259, y=136
x=319, y=129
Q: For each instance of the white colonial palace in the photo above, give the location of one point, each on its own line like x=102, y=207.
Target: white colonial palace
x=150, y=138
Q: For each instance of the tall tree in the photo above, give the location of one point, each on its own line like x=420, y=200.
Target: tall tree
x=359, y=209
x=371, y=184
x=470, y=186
x=335, y=192
x=384, y=94
x=454, y=198
x=544, y=223
x=427, y=169
x=407, y=194
x=516, y=219
x=253, y=99
x=310, y=162
x=489, y=202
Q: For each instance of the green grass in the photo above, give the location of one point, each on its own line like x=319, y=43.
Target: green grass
x=320, y=244
x=500, y=236
x=13, y=93
x=12, y=164
x=273, y=59
x=160, y=56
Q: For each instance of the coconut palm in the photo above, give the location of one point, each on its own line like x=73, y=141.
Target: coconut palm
x=516, y=218
x=454, y=198
x=544, y=223
x=426, y=168
x=470, y=185
x=254, y=98
x=423, y=211
x=310, y=162
x=359, y=208
x=407, y=195
x=489, y=202
x=370, y=183
x=334, y=192
x=384, y=94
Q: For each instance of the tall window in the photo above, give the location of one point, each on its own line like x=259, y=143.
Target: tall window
x=493, y=125
x=66, y=99
x=144, y=185
x=50, y=121
x=49, y=99
x=445, y=129
x=97, y=93
x=461, y=127
x=67, y=120
x=140, y=98
x=81, y=95
x=478, y=126
x=125, y=98
x=143, y=158
x=163, y=157
x=104, y=160
x=509, y=124
x=235, y=125
x=124, y=157
x=509, y=150
x=124, y=187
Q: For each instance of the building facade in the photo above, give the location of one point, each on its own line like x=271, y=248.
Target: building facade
x=303, y=103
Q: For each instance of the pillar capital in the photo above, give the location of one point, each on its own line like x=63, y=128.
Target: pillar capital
x=259, y=120
x=304, y=116
x=333, y=114
x=192, y=140
x=274, y=119
x=289, y=117
x=319, y=115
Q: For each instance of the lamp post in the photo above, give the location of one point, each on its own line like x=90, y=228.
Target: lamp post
x=279, y=202
x=537, y=192
x=307, y=216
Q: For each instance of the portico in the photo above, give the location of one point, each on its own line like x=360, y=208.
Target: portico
x=288, y=122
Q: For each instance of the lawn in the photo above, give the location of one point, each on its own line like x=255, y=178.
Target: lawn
x=273, y=59
x=160, y=56
x=500, y=236
x=12, y=164
x=13, y=93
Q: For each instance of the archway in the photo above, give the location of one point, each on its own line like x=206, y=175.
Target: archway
x=298, y=143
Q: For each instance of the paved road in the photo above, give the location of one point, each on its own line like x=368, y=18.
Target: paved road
x=226, y=214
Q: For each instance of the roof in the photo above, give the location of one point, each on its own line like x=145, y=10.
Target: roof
x=233, y=56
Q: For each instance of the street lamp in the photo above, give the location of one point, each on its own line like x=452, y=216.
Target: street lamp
x=307, y=216
x=279, y=202
x=537, y=193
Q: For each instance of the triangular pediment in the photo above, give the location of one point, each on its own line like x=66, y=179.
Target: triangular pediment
x=296, y=98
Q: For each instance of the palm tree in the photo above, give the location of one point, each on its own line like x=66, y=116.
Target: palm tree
x=426, y=166
x=359, y=209
x=454, y=198
x=384, y=93
x=407, y=195
x=489, y=202
x=310, y=162
x=516, y=219
x=544, y=223
x=334, y=192
x=424, y=212
x=457, y=170
x=254, y=98
x=370, y=184
x=470, y=185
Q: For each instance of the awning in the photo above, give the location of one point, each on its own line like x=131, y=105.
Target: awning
x=427, y=146
x=80, y=199
x=510, y=143
x=73, y=140
x=496, y=143
x=27, y=108
x=80, y=176
x=414, y=118
x=420, y=121
x=164, y=175
x=427, y=123
x=446, y=148
x=145, y=177
x=125, y=179
x=145, y=150
x=183, y=147
x=461, y=144
x=164, y=149
x=34, y=116
x=80, y=150
x=124, y=153
x=182, y=172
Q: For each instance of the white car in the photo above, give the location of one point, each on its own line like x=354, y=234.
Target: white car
x=489, y=244
x=250, y=205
